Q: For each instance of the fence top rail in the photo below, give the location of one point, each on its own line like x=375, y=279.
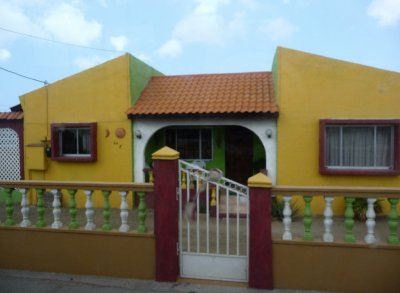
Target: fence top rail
x=348, y=191
x=109, y=186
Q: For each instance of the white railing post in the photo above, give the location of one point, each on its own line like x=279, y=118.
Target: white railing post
x=287, y=219
x=25, y=208
x=370, y=223
x=90, y=225
x=124, y=213
x=57, y=224
x=328, y=221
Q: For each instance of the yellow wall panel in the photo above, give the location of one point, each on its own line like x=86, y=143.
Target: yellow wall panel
x=313, y=87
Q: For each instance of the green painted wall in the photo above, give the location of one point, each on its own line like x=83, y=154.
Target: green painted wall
x=275, y=74
x=218, y=149
x=258, y=155
x=157, y=141
x=140, y=74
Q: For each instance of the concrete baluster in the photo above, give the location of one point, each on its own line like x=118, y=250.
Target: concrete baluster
x=287, y=218
x=307, y=220
x=89, y=213
x=57, y=224
x=25, y=208
x=328, y=221
x=124, y=212
x=72, y=209
x=40, y=223
x=349, y=220
x=393, y=222
x=106, y=211
x=370, y=223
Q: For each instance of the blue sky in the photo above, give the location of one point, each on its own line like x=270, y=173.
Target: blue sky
x=188, y=36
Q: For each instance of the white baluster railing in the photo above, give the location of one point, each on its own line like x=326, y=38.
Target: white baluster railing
x=370, y=223
x=25, y=208
x=287, y=218
x=57, y=224
x=328, y=221
x=89, y=213
x=124, y=212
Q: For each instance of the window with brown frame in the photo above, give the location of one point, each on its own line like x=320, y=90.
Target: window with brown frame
x=359, y=146
x=74, y=142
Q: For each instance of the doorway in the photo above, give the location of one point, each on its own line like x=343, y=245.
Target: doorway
x=238, y=153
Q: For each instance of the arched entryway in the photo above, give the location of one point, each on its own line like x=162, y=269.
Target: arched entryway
x=248, y=141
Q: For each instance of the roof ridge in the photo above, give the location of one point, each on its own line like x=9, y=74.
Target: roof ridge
x=212, y=74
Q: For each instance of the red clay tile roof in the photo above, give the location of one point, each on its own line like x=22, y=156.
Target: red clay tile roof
x=230, y=93
x=11, y=115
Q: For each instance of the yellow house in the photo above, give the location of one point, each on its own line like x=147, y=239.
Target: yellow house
x=77, y=129
x=339, y=123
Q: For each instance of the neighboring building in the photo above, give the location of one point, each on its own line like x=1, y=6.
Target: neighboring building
x=11, y=147
x=12, y=144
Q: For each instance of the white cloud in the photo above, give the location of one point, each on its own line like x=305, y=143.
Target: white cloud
x=119, y=42
x=48, y=19
x=201, y=28
x=278, y=29
x=144, y=57
x=205, y=24
x=88, y=62
x=67, y=23
x=387, y=12
x=13, y=16
x=4, y=55
x=172, y=48
x=209, y=6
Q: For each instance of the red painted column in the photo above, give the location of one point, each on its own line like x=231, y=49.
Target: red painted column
x=260, y=240
x=166, y=214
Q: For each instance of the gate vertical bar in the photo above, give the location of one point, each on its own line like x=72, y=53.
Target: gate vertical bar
x=260, y=253
x=166, y=214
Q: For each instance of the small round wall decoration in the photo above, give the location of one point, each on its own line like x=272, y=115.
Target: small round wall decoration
x=107, y=133
x=120, y=132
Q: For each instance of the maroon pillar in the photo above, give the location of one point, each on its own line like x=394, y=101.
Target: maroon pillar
x=166, y=214
x=260, y=242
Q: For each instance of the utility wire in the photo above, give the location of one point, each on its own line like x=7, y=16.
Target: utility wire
x=24, y=76
x=59, y=42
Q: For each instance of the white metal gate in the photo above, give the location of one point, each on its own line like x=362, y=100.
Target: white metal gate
x=213, y=225
x=9, y=155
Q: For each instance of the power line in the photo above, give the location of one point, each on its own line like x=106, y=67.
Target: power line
x=59, y=42
x=24, y=76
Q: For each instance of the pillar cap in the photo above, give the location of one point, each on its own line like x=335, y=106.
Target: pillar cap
x=259, y=180
x=165, y=153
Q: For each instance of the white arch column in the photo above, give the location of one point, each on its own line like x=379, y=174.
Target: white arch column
x=264, y=128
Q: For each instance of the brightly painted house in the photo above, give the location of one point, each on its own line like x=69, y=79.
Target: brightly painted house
x=339, y=123
x=77, y=128
x=11, y=148
x=118, y=113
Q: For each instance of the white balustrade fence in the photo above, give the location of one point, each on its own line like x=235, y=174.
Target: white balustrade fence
x=37, y=190
x=330, y=194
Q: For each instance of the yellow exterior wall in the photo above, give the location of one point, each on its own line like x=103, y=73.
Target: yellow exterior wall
x=100, y=94
x=313, y=87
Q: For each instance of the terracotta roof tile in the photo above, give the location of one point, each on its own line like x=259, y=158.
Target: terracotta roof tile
x=230, y=93
x=11, y=115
